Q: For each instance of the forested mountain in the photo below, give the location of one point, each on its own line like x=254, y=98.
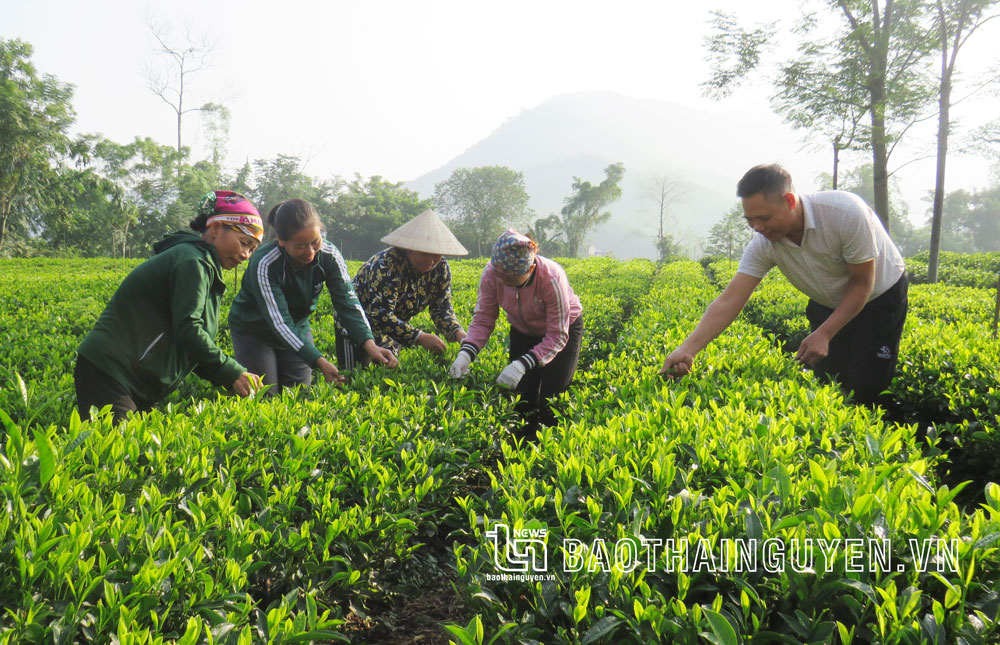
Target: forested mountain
x=580, y=134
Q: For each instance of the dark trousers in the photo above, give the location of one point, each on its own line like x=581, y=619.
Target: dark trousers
x=349, y=355
x=277, y=366
x=863, y=354
x=542, y=383
x=97, y=389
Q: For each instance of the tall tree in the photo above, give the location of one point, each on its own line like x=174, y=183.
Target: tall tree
x=482, y=202
x=584, y=209
x=35, y=115
x=661, y=191
x=730, y=235
x=178, y=61
x=874, y=64
x=956, y=21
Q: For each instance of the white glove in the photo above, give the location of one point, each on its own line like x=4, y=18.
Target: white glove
x=460, y=368
x=512, y=375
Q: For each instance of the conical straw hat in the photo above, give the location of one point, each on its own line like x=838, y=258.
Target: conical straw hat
x=426, y=232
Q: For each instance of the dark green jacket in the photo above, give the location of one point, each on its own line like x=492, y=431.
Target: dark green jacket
x=161, y=322
x=276, y=300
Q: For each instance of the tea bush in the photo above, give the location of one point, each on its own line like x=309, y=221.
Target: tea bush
x=752, y=448
x=217, y=520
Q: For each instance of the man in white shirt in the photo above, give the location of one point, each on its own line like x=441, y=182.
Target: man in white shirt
x=832, y=247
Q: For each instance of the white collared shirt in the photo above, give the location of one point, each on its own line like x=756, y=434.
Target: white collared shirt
x=840, y=229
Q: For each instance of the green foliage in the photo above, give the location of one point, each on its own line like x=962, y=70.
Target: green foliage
x=546, y=231
x=862, y=84
x=947, y=379
x=970, y=222
x=733, y=52
x=219, y=520
x=730, y=235
x=584, y=209
x=268, y=182
x=365, y=211
x=980, y=270
x=753, y=449
x=35, y=115
x=481, y=203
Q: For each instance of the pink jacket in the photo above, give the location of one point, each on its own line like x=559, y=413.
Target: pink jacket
x=544, y=307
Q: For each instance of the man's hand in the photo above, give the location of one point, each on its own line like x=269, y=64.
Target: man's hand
x=512, y=375
x=431, y=343
x=460, y=336
x=677, y=363
x=813, y=349
x=246, y=384
x=329, y=371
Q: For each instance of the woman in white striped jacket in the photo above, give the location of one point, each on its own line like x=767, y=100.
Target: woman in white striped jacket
x=269, y=318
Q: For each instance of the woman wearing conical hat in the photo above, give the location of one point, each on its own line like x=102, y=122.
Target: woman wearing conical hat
x=398, y=283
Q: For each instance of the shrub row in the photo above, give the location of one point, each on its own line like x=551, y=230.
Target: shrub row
x=749, y=448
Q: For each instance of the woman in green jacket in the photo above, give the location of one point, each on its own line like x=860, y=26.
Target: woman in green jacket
x=269, y=318
x=161, y=322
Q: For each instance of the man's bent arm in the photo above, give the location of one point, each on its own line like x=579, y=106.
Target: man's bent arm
x=859, y=288
x=816, y=345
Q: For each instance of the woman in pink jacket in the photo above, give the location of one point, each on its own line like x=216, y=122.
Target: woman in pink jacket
x=545, y=326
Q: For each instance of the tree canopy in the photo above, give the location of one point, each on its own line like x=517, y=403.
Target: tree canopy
x=730, y=235
x=584, y=209
x=480, y=203
x=35, y=116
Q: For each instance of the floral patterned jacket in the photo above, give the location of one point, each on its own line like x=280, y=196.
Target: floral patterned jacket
x=392, y=293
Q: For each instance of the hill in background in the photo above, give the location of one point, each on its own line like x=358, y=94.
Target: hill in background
x=580, y=134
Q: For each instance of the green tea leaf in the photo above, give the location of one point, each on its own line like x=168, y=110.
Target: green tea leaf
x=22, y=388
x=46, y=456
x=600, y=629
x=723, y=631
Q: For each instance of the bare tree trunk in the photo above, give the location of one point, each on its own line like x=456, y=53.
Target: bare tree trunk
x=880, y=163
x=876, y=87
x=836, y=160
x=180, y=107
x=942, y=158
x=125, y=239
x=3, y=227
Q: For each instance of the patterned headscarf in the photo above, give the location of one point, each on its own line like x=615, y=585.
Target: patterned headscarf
x=514, y=253
x=232, y=208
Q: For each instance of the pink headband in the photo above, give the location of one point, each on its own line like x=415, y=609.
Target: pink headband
x=232, y=208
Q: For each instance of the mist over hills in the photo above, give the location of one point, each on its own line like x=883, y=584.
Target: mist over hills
x=580, y=134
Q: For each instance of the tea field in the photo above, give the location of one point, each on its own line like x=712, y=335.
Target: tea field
x=745, y=503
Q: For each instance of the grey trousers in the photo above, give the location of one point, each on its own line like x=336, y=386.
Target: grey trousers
x=278, y=366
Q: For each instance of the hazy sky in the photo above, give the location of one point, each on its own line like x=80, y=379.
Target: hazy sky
x=394, y=88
